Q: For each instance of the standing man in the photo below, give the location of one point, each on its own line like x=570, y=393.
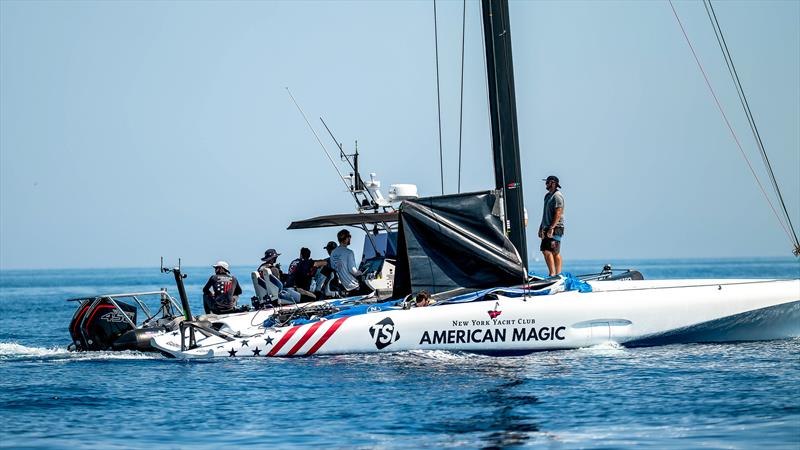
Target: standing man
x=551, y=230
x=343, y=261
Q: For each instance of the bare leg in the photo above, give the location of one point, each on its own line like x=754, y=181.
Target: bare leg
x=557, y=260
x=548, y=258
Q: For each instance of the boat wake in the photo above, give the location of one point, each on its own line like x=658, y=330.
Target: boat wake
x=605, y=347
x=12, y=351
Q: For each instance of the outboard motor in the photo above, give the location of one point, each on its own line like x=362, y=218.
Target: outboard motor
x=98, y=323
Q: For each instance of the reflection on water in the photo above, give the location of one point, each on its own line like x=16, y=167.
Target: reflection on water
x=510, y=426
x=504, y=416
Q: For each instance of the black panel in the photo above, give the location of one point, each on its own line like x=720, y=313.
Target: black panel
x=454, y=241
x=344, y=219
x=503, y=112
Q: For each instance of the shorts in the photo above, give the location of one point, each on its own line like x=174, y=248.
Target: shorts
x=550, y=245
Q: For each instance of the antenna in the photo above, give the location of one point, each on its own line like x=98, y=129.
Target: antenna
x=341, y=177
x=179, y=277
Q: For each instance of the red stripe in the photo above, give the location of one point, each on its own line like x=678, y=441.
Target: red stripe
x=79, y=315
x=88, y=322
x=283, y=341
x=327, y=335
x=304, y=339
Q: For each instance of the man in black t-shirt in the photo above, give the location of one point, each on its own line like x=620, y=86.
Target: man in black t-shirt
x=221, y=291
x=301, y=270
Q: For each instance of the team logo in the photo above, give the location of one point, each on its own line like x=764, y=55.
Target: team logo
x=384, y=333
x=114, y=316
x=494, y=313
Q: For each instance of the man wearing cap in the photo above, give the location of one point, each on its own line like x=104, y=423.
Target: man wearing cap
x=551, y=230
x=221, y=291
x=324, y=270
x=343, y=261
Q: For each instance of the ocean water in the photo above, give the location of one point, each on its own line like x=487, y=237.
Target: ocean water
x=739, y=395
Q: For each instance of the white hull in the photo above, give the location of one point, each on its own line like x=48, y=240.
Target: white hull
x=626, y=312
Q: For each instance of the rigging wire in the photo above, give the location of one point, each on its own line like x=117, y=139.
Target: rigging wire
x=723, y=45
x=438, y=98
x=461, y=106
x=727, y=122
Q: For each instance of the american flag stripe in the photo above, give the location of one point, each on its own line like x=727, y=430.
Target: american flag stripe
x=283, y=341
x=326, y=336
x=304, y=339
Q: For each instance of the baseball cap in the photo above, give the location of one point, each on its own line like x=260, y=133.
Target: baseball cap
x=330, y=246
x=222, y=264
x=552, y=178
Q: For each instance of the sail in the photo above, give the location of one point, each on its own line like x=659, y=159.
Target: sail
x=503, y=114
x=454, y=241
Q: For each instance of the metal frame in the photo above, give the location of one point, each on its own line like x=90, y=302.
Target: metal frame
x=166, y=300
x=204, y=330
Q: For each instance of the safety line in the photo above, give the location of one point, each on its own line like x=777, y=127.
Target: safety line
x=461, y=106
x=723, y=46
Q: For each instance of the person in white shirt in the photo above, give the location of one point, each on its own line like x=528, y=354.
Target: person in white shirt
x=343, y=261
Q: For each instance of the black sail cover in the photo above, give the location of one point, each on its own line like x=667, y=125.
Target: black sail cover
x=454, y=241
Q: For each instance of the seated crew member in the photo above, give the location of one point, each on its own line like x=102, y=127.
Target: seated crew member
x=423, y=299
x=221, y=291
x=270, y=265
x=343, y=261
x=300, y=274
x=300, y=270
x=323, y=272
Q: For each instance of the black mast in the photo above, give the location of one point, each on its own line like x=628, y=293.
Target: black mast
x=503, y=110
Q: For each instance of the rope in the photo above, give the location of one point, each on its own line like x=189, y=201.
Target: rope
x=723, y=45
x=725, y=118
x=438, y=99
x=461, y=106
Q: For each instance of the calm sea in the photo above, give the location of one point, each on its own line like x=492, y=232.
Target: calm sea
x=744, y=395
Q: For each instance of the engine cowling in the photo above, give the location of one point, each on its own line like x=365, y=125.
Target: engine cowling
x=96, y=325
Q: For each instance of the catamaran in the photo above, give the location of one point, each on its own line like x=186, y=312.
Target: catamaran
x=469, y=251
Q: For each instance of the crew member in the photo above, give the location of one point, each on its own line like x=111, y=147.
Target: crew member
x=551, y=229
x=221, y=291
x=300, y=270
x=423, y=299
x=324, y=271
x=270, y=265
x=343, y=261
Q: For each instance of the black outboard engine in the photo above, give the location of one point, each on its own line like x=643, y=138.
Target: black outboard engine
x=98, y=323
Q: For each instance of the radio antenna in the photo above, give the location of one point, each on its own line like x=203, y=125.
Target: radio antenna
x=325, y=149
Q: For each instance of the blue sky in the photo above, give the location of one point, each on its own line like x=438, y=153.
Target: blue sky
x=134, y=130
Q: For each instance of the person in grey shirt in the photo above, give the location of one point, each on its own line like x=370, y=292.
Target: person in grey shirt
x=551, y=229
x=343, y=261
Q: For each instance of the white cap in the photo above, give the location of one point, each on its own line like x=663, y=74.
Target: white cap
x=222, y=264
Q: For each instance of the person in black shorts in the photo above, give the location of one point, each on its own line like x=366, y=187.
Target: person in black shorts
x=551, y=230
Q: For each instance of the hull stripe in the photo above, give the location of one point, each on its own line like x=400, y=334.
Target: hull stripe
x=304, y=339
x=327, y=335
x=283, y=341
